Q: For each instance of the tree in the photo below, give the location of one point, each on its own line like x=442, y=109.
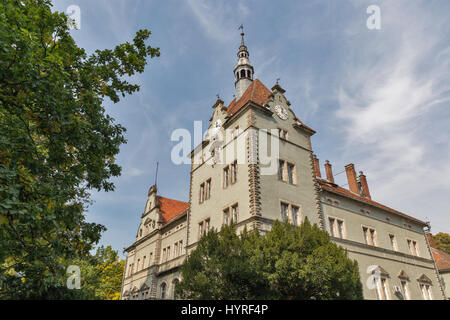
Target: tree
x=287, y=262
x=101, y=275
x=442, y=241
x=56, y=141
x=220, y=268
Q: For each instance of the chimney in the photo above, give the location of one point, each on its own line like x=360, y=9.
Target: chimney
x=364, y=185
x=351, y=177
x=328, y=171
x=317, y=167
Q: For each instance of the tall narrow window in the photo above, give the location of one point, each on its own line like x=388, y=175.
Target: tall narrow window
x=235, y=213
x=226, y=216
x=150, y=261
x=143, y=262
x=291, y=172
x=226, y=177
x=393, y=242
x=163, y=290
x=280, y=169
x=234, y=172
x=373, y=237
x=332, y=226
x=284, y=212
x=208, y=189
x=426, y=291
x=202, y=193
x=175, y=249
x=413, y=248
x=200, y=229
x=340, y=228
x=137, y=265
x=385, y=289
x=180, y=248
x=405, y=290
x=295, y=217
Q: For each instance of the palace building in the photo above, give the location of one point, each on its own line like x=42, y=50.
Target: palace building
x=393, y=250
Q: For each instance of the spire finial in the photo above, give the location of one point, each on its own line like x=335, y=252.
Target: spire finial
x=241, y=27
x=278, y=79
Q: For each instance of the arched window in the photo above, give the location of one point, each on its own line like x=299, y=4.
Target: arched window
x=163, y=290
x=174, y=284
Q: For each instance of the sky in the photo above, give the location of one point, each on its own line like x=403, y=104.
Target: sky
x=378, y=98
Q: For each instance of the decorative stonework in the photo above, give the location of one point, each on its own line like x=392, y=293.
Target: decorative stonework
x=316, y=187
x=253, y=173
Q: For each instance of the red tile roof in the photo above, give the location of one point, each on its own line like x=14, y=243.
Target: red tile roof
x=256, y=92
x=442, y=259
x=171, y=208
x=325, y=184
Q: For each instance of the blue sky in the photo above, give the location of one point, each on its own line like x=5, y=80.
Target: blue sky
x=377, y=98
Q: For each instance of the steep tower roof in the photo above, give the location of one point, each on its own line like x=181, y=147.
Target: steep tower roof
x=256, y=92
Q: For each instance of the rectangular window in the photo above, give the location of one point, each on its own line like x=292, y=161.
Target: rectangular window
x=226, y=177
x=337, y=228
x=413, y=248
x=226, y=216
x=280, y=169
x=284, y=212
x=405, y=290
x=332, y=226
x=235, y=213
x=202, y=193
x=385, y=289
x=208, y=189
x=393, y=242
x=291, y=173
x=370, y=236
x=295, y=217
x=200, y=229
x=340, y=227
x=180, y=248
x=426, y=291
x=234, y=172
x=373, y=237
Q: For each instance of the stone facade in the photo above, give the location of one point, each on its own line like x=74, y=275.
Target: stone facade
x=231, y=179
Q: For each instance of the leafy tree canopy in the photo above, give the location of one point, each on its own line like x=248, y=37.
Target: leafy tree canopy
x=442, y=241
x=56, y=141
x=287, y=262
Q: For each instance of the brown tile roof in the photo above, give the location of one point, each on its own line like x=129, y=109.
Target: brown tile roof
x=256, y=92
x=325, y=184
x=171, y=208
x=442, y=259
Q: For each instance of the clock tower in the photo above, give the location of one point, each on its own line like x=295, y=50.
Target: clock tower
x=243, y=71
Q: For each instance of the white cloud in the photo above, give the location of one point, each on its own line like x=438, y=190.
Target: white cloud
x=389, y=102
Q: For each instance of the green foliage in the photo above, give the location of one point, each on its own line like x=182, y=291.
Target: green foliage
x=442, y=241
x=56, y=141
x=285, y=263
x=101, y=275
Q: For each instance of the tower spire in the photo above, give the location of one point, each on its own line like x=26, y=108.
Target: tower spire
x=243, y=71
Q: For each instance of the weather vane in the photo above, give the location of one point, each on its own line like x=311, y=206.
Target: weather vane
x=278, y=79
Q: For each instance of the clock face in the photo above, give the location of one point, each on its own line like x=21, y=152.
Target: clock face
x=281, y=112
